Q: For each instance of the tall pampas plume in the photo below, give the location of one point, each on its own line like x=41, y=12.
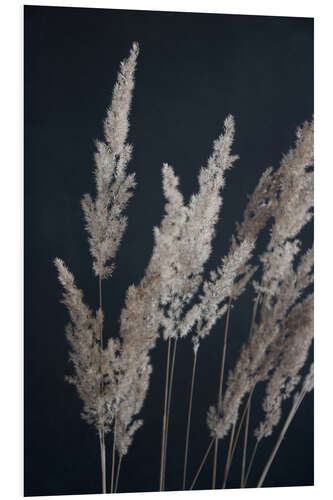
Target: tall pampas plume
x=105, y=223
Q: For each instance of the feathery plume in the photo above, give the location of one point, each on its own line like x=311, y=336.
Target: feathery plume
x=294, y=346
x=280, y=285
x=105, y=221
x=230, y=279
x=97, y=370
x=83, y=336
x=183, y=242
x=181, y=248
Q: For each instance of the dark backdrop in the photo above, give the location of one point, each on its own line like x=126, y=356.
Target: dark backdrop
x=193, y=70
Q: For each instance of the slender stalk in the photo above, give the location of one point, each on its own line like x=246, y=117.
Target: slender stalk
x=280, y=438
x=224, y=354
x=100, y=291
x=202, y=464
x=189, y=417
x=101, y=335
x=243, y=478
x=254, y=313
x=228, y=463
x=219, y=395
x=168, y=409
x=239, y=428
x=101, y=434
x=117, y=476
x=250, y=463
x=113, y=454
x=164, y=414
x=232, y=446
x=232, y=442
x=102, y=447
x=216, y=446
x=246, y=409
x=245, y=440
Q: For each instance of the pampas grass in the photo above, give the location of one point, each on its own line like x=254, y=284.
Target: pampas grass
x=174, y=300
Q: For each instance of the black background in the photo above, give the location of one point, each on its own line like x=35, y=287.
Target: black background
x=193, y=70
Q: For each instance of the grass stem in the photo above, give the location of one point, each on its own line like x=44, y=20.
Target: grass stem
x=219, y=395
x=202, y=464
x=165, y=414
x=117, y=475
x=250, y=463
x=102, y=447
x=245, y=439
x=228, y=462
x=290, y=417
x=189, y=418
x=101, y=434
x=113, y=454
x=168, y=408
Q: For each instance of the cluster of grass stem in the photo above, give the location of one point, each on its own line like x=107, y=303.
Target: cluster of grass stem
x=243, y=421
